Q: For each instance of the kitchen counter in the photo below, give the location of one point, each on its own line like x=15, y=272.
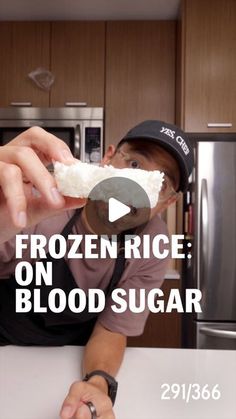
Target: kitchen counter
x=34, y=382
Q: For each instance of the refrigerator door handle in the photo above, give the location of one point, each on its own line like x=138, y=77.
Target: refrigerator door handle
x=228, y=334
x=77, y=142
x=203, y=236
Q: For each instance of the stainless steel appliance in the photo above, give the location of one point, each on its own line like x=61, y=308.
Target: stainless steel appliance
x=215, y=243
x=80, y=127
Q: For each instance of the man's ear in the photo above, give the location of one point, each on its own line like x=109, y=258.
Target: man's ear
x=109, y=154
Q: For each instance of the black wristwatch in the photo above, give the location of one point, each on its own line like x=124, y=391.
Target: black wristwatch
x=111, y=382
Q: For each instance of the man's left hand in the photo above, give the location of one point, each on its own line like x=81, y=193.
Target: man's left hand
x=74, y=406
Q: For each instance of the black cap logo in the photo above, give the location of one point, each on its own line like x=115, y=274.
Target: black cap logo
x=180, y=141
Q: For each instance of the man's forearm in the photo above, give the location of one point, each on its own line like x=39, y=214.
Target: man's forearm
x=104, y=351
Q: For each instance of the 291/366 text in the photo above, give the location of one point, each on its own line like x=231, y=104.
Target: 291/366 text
x=189, y=392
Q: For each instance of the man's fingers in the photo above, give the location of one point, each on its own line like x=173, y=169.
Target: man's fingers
x=70, y=406
x=83, y=412
x=87, y=392
x=73, y=203
x=26, y=205
x=34, y=170
x=38, y=209
x=75, y=404
x=72, y=400
x=23, y=160
x=79, y=411
x=39, y=139
x=11, y=184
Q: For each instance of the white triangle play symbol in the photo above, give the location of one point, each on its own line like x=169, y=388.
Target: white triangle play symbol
x=116, y=209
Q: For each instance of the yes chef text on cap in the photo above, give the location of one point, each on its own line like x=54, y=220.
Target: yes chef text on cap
x=171, y=138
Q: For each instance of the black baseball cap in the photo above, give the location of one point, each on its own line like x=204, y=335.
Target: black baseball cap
x=172, y=139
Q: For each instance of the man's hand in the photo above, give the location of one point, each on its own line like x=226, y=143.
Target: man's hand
x=23, y=170
x=74, y=406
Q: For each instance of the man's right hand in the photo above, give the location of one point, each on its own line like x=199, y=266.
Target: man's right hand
x=23, y=170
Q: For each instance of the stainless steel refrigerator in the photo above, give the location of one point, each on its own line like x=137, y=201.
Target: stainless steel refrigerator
x=214, y=270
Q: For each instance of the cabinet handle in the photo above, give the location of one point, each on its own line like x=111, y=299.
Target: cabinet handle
x=219, y=125
x=21, y=104
x=76, y=104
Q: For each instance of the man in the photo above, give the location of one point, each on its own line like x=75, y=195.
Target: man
x=150, y=145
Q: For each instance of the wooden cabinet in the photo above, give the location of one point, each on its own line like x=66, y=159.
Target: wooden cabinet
x=140, y=75
x=78, y=62
x=24, y=47
x=73, y=51
x=208, y=66
x=162, y=330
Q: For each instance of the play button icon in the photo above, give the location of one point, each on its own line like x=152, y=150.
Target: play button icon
x=115, y=205
x=117, y=209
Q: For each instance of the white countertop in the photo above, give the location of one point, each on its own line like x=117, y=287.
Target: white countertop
x=34, y=382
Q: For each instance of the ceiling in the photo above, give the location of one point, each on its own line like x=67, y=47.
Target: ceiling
x=89, y=9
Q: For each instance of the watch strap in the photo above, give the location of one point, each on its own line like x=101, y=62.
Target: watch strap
x=111, y=382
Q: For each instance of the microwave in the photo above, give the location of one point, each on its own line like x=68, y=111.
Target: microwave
x=80, y=127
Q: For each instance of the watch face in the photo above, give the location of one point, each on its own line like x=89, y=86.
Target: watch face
x=112, y=391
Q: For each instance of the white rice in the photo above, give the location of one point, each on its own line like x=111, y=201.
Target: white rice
x=79, y=179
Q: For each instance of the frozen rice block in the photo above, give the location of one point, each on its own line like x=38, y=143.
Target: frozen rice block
x=79, y=179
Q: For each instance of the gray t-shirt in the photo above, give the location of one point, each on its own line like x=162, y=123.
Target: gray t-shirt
x=96, y=273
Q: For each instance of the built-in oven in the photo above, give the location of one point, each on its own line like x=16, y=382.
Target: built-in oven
x=80, y=127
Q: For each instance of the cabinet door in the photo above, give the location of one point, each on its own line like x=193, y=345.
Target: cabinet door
x=209, y=62
x=140, y=75
x=77, y=60
x=24, y=47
